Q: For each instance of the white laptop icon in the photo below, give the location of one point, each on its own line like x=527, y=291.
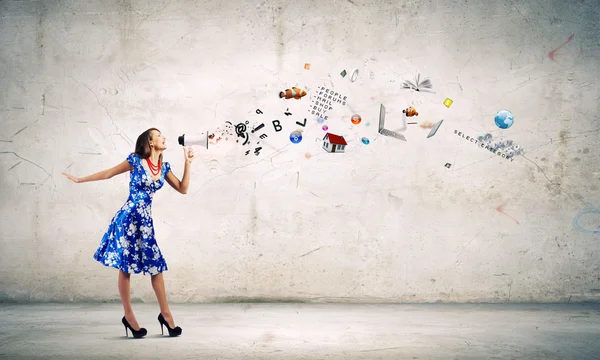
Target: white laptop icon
x=384, y=131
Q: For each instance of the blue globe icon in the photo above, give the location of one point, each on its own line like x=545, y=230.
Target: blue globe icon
x=504, y=119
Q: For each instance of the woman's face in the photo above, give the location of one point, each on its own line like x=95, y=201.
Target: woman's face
x=158, y=141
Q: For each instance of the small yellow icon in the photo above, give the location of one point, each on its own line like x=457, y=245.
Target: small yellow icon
x=448, y=102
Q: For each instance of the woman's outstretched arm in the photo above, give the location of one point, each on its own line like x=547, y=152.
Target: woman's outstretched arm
x=102, y=175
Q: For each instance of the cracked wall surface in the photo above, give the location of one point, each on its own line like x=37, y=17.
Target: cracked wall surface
x=474, y=213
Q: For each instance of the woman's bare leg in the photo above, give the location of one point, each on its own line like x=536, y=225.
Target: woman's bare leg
x=158, y=284
x=124, y=288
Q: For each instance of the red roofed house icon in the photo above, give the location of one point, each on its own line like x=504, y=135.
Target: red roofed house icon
x=334, y=143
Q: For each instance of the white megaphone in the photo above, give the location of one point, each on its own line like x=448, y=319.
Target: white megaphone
x=190, y=140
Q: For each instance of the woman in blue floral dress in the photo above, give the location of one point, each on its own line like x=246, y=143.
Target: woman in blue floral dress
x=129, y=244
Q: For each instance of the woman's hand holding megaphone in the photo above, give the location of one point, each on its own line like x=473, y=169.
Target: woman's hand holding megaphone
x=189, y=155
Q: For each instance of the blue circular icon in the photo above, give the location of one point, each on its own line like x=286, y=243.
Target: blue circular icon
x=320, y=120
x=365, y=141
x=296, y=137
x=504, y=119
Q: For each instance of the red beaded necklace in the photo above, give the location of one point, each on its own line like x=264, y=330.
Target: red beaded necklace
x=154, y=169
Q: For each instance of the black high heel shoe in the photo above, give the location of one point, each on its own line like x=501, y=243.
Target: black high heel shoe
x=172, y=332
x=136, y=333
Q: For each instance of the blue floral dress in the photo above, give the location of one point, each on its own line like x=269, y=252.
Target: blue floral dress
x=129, y=244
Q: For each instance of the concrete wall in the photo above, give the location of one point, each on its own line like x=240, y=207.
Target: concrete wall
x=384, y=221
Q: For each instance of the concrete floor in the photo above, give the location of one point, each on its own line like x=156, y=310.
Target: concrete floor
x=305, y=331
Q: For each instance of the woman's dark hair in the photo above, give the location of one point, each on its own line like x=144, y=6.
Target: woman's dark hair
x=142, y=145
